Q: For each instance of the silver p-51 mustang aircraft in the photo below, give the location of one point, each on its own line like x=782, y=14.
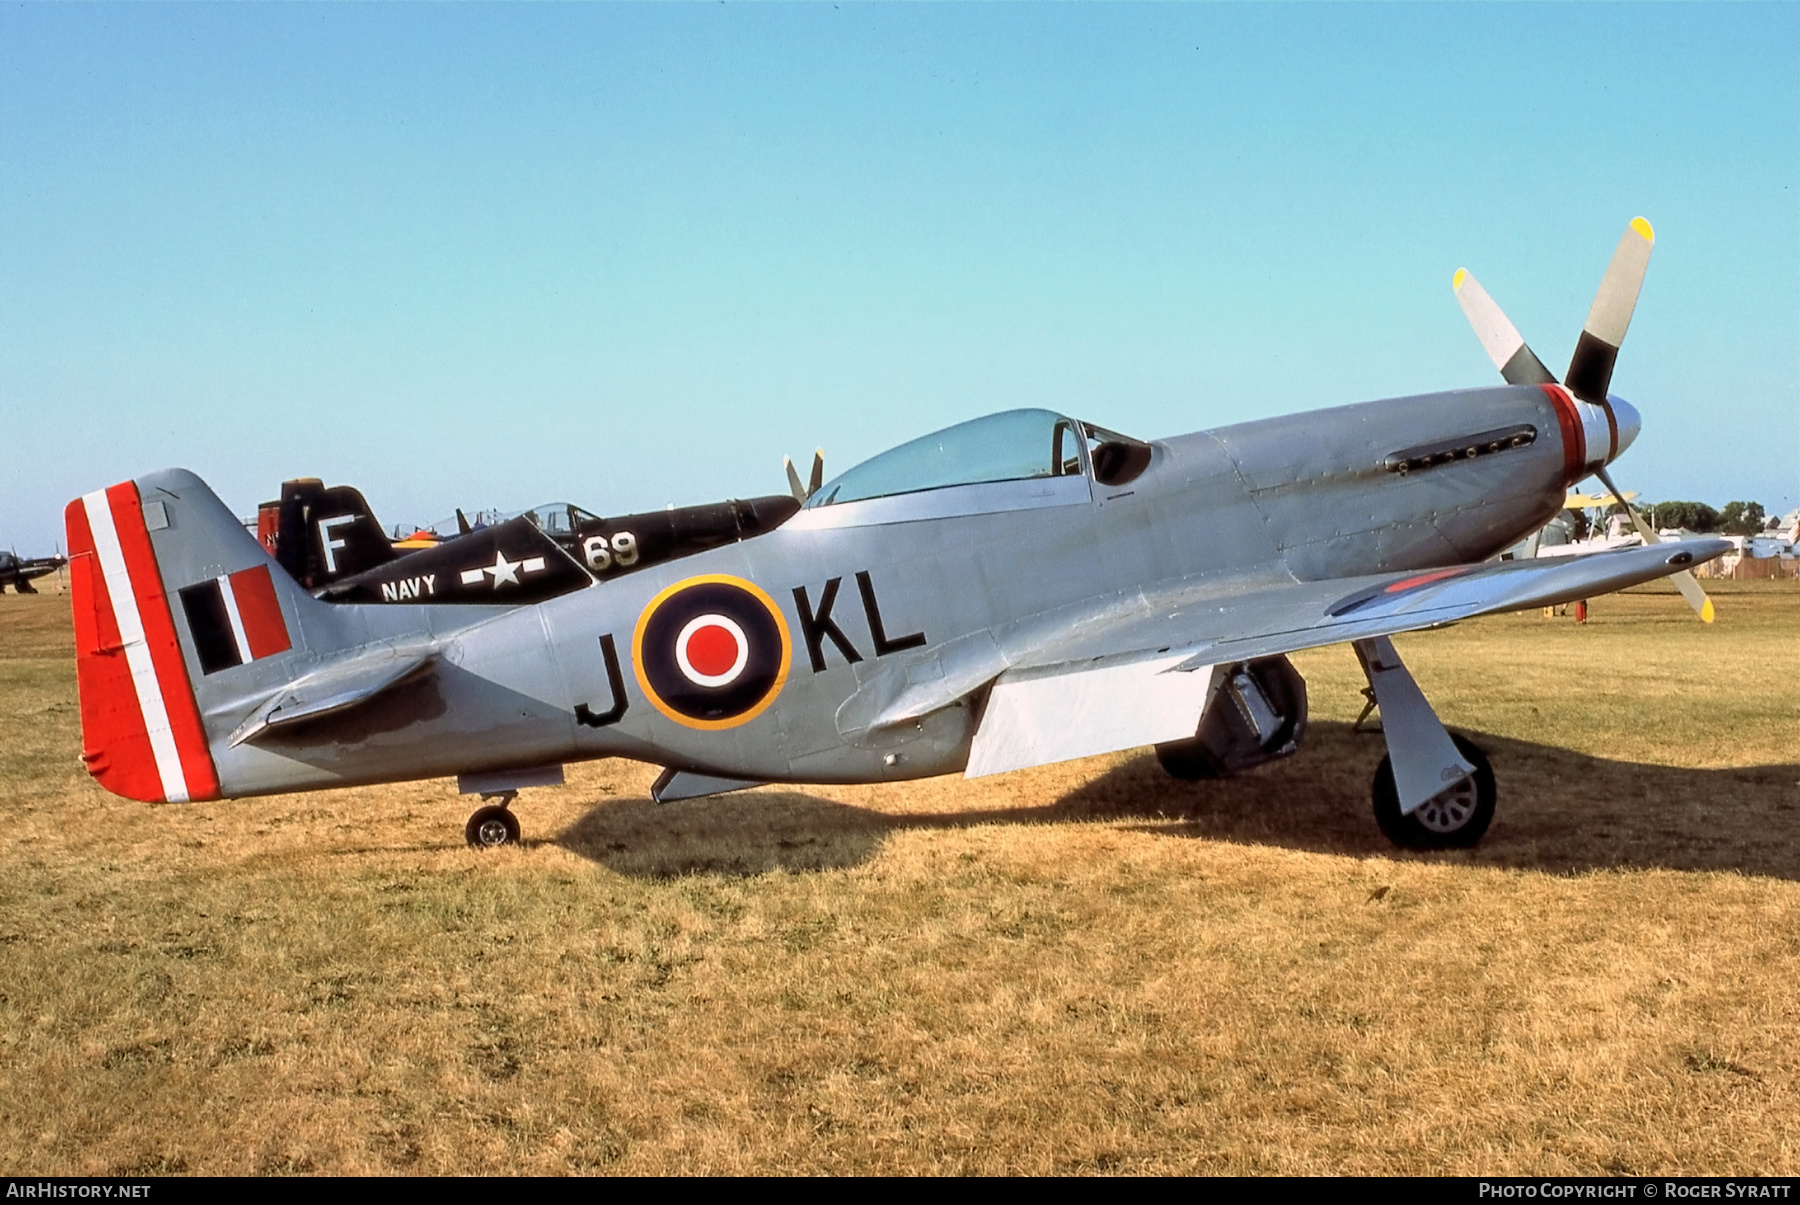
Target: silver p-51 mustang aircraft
x=1016, y=590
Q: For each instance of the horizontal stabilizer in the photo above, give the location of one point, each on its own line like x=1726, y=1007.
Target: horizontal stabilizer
x=335, y=688
x=1035, y=717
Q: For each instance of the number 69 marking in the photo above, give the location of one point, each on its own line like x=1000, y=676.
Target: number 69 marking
x=602, y=555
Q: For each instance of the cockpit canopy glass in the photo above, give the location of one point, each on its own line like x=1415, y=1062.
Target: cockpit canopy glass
x=560, y=518
x=1015, y=445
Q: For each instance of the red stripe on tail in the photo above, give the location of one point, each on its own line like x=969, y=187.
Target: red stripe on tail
x=115, y=745
x=260, y=610
x=165, y=649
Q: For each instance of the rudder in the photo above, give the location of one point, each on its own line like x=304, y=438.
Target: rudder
x=167, y=588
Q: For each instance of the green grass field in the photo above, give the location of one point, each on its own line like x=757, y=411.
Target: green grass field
x=1084, y=968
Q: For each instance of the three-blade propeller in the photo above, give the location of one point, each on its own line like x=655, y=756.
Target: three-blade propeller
x=1591, y=367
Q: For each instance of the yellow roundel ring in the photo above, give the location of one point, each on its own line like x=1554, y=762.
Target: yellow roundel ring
x=711, y=651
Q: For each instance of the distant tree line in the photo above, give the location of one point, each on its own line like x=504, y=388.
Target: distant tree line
x=1737, y=519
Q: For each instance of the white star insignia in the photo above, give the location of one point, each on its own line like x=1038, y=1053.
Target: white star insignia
x=502, y=569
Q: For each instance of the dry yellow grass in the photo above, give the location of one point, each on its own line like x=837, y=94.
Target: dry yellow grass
x=1087, y=967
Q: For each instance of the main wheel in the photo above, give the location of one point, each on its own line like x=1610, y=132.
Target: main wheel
x=491, y=827
x=1454, y=818
x=1189, y=761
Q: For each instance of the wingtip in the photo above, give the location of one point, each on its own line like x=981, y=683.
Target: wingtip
x=1642, y=226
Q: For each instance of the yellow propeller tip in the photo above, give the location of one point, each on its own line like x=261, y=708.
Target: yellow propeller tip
x=1706, y=612
x=1643, y=229
x=1456, y=281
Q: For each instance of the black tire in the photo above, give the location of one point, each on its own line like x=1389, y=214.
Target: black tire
x=1225, y=743
x=1189, y=760
x=491, y=827
x=1456, y=819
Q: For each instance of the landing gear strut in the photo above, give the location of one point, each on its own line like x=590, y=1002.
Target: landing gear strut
x=493, y=824
x=1433, y=790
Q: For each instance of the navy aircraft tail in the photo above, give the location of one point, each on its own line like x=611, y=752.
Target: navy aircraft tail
x=322, y=535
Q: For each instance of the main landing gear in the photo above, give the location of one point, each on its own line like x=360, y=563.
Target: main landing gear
x=1454, y=818
x=1433, y=790
x=493, y=824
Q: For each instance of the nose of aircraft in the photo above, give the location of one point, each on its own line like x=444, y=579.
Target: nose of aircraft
x=1626, y=415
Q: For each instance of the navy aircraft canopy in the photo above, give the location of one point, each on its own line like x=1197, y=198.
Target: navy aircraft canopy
x=561, y=521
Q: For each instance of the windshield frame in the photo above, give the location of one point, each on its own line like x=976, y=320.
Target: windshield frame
x=952, y=458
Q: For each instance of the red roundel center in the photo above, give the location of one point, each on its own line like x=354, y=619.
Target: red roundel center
x=712, y=650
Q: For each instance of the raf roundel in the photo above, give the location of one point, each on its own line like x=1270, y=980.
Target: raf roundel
x=711, y=652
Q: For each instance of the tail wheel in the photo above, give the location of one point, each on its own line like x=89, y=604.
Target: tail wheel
x=1455, y=818
x=492, y=827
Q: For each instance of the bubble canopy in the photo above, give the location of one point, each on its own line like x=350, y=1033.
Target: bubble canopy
x=1015, y=445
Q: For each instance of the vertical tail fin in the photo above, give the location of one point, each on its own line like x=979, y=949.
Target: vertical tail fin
x=141, y=734
x=324, y=535
x=169, y=588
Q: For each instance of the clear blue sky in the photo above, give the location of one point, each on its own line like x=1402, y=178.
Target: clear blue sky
x=492, y=256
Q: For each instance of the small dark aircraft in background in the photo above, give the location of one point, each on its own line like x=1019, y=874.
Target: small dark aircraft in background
x=1015, y=590
x=17, y=571
x=329, y=540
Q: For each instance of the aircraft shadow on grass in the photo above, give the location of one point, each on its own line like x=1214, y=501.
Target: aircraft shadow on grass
x=1560, y=812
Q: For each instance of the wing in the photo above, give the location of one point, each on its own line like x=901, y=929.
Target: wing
x=1288, y=618
x=1111, y=676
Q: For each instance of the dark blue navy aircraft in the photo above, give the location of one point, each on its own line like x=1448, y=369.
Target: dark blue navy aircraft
x=19, y=572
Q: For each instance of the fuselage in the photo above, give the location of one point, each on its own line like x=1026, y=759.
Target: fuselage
x=871, y=596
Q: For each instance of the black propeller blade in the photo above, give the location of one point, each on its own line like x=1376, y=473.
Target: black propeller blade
x=1591, y=367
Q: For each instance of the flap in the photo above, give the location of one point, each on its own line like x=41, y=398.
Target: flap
x=1038, y=716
